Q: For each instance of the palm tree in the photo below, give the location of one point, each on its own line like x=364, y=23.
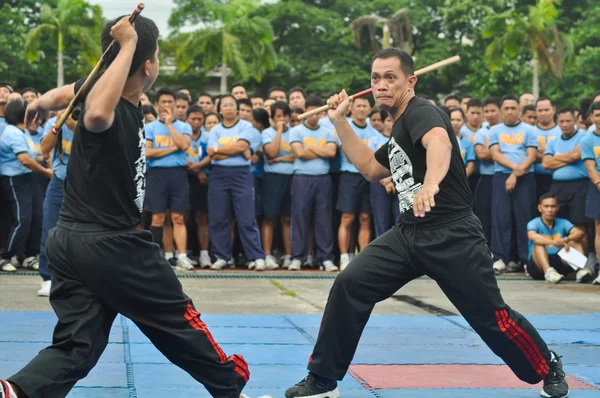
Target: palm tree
x=71, y=19
x=536, y=32
x=230, y=36
x=397, y=26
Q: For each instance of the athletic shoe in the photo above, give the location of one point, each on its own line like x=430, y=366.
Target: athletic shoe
x=231, y=263
x=287, y=260
x=6, y=390
x=193, y=261
x=295, y=265
x=219, y=265
x=184, y=264
x=344, y=263
x=205, y=260
x=499, y=267
x=251, y=265
x=552, y=276
x=260, y=264
x=328, y=266
x=15, y=262
x=271, y=263
x=172, y=261
x=313, y=386
x=31, y=263
x=596, y=281
x=514, y=267
x=310, y=262
x=7, y=266
x=555, y=384
x=45, y=289
x=584, y=275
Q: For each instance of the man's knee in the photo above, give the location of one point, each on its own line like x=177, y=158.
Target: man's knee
x=177, y=219
x=287, y=220
x=347, y=219
x=158, y=219
x=364, y=219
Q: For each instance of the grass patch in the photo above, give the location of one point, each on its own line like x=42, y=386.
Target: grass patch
x=283, y=289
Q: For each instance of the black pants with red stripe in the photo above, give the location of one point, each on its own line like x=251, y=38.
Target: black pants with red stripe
x=97, y=274
x=454, y=254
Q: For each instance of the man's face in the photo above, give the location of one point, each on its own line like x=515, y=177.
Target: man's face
x=567, y=123
x=596, y=119
x=456, y=118
x=391, y=87
x=530, y=118
x=239, y=92
x=268, y=104
x=196, y=120
x=14, y=96
x=474, y=116
x=361, y=109
x=452, y=103
x=34, y=125
x=297, y=100
x=211, y=121
x=279, y=95
x=376, y=121
x=544, y=112
x=29, y=96
x=4, y=92
x=491, y=112
x=149, y=118
x=257, y=102
x=165, y=103
x=294, y=121
x=548, y=209
x=510, y=112
x=228, y=107
x=245, y=112
x=526, y=99
x=181, y=107
x=279, y=116
x=206, y=103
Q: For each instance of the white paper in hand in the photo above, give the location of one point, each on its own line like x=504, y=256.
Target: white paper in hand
x=573, y=257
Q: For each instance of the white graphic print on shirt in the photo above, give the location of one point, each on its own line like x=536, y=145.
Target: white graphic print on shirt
x=140, y=172
x=402, y=169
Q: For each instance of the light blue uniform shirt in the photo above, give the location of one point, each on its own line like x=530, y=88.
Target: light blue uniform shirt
x=335, y=163
x=544, y=137
x=482, y=137
x=592, y=128
x=513, y=142
x=573, y=171
x=12, y=143
x=158, y=133
x=467, y=150
x=37, y=139
x=378, y=141
x=465, y=130
x=197, y=150
x=221, y=136
x=60, y=169
x=590, y=148
x=311, y=138
x=284, y=149
x=560, y=230
x=365, y=134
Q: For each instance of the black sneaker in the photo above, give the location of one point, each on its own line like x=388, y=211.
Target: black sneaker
x=314, y=387
x=555, y=385
x=173, y=261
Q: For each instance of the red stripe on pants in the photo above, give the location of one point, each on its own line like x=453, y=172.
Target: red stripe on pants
x=543, y=365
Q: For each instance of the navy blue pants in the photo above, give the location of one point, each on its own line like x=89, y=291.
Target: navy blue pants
x=482, y=204
x=385, y=208
x=508, y=208
x=231, y=195
x=20, y=194
x=312, y=197
x=52, y=205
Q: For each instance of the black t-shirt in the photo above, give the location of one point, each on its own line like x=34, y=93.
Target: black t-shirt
x=405, y=156
x=106, y=181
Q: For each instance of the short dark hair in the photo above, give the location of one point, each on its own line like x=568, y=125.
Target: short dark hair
x=566, y=109
x=595, y=106
x=297, y=90
x=285, y=108
x=451, y=96
x=7, y=85
x=407, y=63
x=313, y=100
x=509, y=97
x=194, y=109
x=548, y=195
x=277, y=89
x=543, y=98
x=145, y=48
x=474, y=103
x=527, y=108
x=244, y=101
x=365, y=98
x=28, y=89
x=165, y=91
x=466, y=96
x=181, y=96
x=492, y=101
x=257, y=96
x=206, y=115
x=297, y=110
x=237, y=84
x=222, y=97
x=205, y=94
x=149, y=109
x=14, y=113
x=261, y=116
x=458, y=110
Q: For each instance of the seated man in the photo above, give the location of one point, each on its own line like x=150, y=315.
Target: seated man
x=547, y=235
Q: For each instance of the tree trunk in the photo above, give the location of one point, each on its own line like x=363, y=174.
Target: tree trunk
x=223, y=88
x=60, y=79
x=386, y=35
x=536, y=78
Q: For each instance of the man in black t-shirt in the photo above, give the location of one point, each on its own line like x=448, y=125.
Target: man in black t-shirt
x=437, y=235
x=101, y=264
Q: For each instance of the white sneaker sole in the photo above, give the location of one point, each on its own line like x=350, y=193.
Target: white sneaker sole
x=330, y=394
x=543, y=394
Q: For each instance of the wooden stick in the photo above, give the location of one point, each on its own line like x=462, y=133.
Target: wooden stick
x=65, y=115
x=364, y=93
